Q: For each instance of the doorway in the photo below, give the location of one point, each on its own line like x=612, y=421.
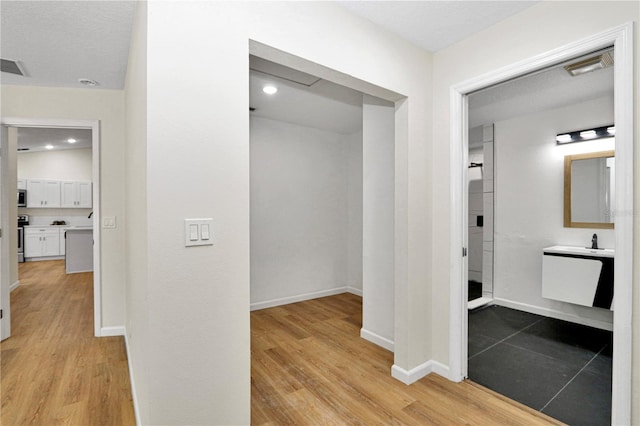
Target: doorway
x=618, y=37
x=91, y=129
x=322, y=185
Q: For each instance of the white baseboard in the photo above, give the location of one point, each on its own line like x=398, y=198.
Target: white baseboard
x=302, y=297
x=134, y=395
x=112, y=331
x=14, y=286
x=603, y=325
x=417, y=373
x=480, y=301
x=354, y=290
x=377, y=339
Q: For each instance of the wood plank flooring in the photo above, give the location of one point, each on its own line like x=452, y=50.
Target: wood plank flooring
x=54, y=371
x=310, y=367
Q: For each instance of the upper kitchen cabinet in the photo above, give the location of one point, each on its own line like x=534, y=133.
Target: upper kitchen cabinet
x=76, y=194
x=43, y=193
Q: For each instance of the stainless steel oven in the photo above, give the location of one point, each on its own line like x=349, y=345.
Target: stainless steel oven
x=23, y=220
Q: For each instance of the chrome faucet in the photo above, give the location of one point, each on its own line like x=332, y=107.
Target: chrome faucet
x=594, y=241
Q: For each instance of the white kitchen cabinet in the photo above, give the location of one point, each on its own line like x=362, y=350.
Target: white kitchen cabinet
x=43, y=193
x=22, y=183
x=75, y=194
x=41, y=242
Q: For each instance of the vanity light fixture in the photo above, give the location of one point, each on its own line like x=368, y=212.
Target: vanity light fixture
x=270, y=90
x=586, y=135
x=71, y=140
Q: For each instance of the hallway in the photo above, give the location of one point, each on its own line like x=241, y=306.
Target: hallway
x=54, y=371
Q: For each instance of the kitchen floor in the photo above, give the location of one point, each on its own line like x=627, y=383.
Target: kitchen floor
x=559, y=368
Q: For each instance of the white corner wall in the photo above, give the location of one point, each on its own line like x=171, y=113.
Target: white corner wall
x=197, y=138
x=530, y=204
x=377, y=219
x=108, y=107
x=300, y=213
x=354, y=213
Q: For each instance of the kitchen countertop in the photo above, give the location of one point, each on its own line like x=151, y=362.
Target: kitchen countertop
x=61, y=226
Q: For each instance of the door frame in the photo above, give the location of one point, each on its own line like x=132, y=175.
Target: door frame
x=621, y=37
x=94, y=126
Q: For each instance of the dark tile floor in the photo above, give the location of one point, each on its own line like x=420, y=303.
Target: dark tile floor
x=557, y=367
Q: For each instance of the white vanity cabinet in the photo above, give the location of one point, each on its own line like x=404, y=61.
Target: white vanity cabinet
x=41, y=242
x=75, y=194
x=43, y=193
x=578, y=275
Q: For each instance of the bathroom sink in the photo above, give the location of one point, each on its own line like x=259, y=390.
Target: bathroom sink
x=580, y=251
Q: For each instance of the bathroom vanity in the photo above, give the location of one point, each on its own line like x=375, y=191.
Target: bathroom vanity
x=578, y=275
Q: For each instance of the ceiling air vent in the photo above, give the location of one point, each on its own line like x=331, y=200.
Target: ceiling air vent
x=11, y=67
x=598, y=62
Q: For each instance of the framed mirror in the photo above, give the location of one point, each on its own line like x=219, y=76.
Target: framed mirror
x=589, y=190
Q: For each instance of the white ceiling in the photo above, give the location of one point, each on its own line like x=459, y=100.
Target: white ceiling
x=58, y=42
x=35, y=138
x=434, y=25
x=321, y=105
x=553, y=88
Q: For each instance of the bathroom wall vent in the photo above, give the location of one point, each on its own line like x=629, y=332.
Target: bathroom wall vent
x=594, y=63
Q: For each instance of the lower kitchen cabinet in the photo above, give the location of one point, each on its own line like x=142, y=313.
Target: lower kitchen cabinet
x=41, y=242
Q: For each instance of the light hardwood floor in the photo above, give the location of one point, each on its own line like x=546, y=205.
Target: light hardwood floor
x=54, y=371
x=310, y=367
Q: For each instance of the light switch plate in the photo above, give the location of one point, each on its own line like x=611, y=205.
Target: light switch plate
x=109, y=222
x=198, y=232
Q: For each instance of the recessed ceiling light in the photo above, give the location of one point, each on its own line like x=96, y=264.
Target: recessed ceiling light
x=49, y=146
x=71, y=140
x=87, y=82
x=269, y=90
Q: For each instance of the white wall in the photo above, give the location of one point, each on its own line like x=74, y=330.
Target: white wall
x=530, y=205
x=67, y=164
x=138, y=330
x=354, y=213
x=198, y=138
x=475, y=206
x=506, y=43
x=300, y=218
x=378, y=216
x=108, y=107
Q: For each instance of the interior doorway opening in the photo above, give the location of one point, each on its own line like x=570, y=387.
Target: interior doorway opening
x=623, y=106
x=81, y=201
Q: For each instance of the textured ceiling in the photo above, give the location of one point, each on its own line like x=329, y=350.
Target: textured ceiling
x=434, y=25
x=58, y=42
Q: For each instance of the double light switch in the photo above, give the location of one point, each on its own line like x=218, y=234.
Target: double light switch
x=198, y=232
